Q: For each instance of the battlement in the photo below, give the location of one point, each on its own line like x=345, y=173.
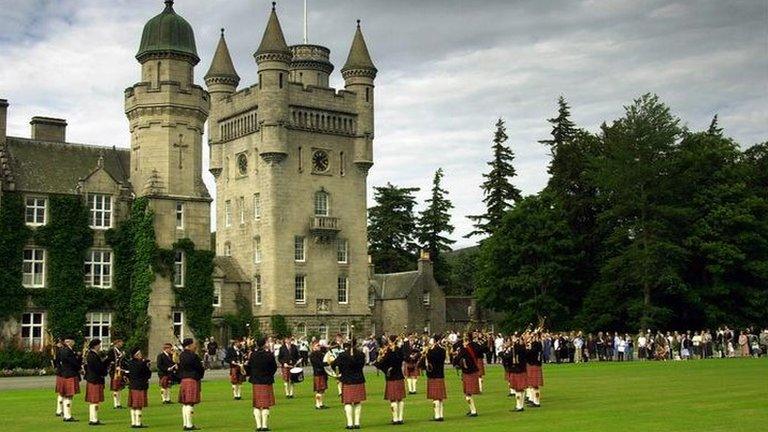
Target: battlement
x=168, y=94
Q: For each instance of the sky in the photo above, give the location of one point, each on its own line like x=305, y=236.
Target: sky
x=448, y=69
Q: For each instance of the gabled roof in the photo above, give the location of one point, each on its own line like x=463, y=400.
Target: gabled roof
x=230, y=269
x=392, y=286
x=56, y=167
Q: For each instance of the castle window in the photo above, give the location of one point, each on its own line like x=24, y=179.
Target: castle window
x=342, y=247
x=32, y=326
x=301, y=329
x=216, y=295
x=157, y=80
x=257, y=290
x=322, y=330
x=300, y=289
x=179, y=215
x=280, y=81
x=97, y=326
x=367, y=94
x=241, y=209
x=178, y=269
x=228, y=213
x=227, y=249
x=342, y=284
x=299, y=249
x=98, y=269
x=371, y=298
x=178, y=324
x=321, y=203
x=342, y=163
x=242, y=164
x=257, y=250
x=344, y=329
x=257, y=206
x=301, y=169
x=34, y=210
x=426, y=298
x=33, y=268
x=100, y=206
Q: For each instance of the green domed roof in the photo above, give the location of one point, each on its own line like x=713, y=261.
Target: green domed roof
x=168, y=33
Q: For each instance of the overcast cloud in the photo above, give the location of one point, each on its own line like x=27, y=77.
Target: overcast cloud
x=447, y=70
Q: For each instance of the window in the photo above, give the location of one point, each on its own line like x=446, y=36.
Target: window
x=344, y=329
x=100, y=206
x=299, y=254
x=241, y=205
x=178, y=269
x=257, y=250
x=97, y=326
x=257, y=206
x=179, y=215
x=341, y=251
x=300, y=289
x=178, y=324
x=342, y=163
x=371, y=298
x=216, y=295
x=257, y=290
x=426, y=298
x=301, y=329
x=343, y=289
x=34, y=211
x=98, y=269
x=227, y=249
x=321, y=203
x=322, y=329
x=33, y=268
x=228, y=213
x=242, y=164
x=32, y=325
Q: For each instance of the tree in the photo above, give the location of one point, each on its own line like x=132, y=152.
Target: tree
x=462, y=266
x=433, y=223
x=500, y=194
x=714, y=128
x=391, y=228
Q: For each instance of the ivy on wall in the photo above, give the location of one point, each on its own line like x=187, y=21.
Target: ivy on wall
x=242, y=323
x=13, y=236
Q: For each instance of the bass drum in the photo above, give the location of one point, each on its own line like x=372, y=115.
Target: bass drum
x=328, y=358
x=297, y=375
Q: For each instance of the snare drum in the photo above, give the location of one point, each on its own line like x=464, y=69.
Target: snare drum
x=297, y=375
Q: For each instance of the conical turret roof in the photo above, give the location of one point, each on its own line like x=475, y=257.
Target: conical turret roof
x=221, y=65
x=358, y=58
x=273, y=41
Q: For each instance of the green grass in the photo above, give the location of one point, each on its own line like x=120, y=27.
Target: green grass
x=711, y=395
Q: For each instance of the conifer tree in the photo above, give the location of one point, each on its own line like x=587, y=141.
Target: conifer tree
x=391, y=228
x=434, y=222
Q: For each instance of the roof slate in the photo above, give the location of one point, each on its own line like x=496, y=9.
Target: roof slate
x=395, y=285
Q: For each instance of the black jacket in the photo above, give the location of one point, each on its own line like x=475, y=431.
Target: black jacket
x=392, y=364
x=234, y=356
x=95, y=368
x=287, y=355
x=351, y=367
x=115, y=357
x=466, y=361
x=164, y=362
x=513, y=358
x=261, y=367
x=190, y=366
x=70, y=364
x=434, y=362
x=316, y=360
x=138, y=374
x=533, y=354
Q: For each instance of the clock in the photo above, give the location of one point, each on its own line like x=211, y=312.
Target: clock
x=320, y=161
x=242, y=164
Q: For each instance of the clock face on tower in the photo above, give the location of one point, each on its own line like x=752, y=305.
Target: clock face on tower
x=320, y=161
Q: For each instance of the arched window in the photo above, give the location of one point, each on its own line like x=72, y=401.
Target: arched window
x=322, y=329
x=301, y=329
x=321, y=203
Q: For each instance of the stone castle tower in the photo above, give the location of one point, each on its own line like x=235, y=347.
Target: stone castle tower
x=167, y=113
x=291, y=156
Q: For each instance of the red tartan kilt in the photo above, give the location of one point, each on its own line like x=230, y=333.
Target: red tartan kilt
x=517, y=381
x=320, y=383
x=352, y=393
x=471, y=383
x=235, y=376
x=263, y=396
x=286, y=372
x=94, y=393
x=436, y=389
x=69, y=387
x=534, y=377
x=411, y=371
x=165, y=382
x=116, y=384
x=395, y=391
x=189, y=392
x=58, y=384
x=480, y=366
x=137, y=399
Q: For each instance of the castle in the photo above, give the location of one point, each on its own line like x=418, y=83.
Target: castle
x=290, y=157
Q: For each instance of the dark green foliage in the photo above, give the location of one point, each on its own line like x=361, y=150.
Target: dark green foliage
x=242, y=323
x=13, y=236
x=500, y=194
x=12, y=358
x=196, y=296
x=391, y=228
x=462, y=266
x=280, y=327
x=434, y=222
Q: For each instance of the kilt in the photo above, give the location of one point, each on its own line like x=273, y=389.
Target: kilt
x=58, y=384
x=116, y=384
x=286, y=372
x=436, y=389
x=189, y=392
x=320, y=383
x=94, y=393
x=69, y=387
x=235, y=375
x=518, y=381
x=470, y=383
x=166, y=382
x=534, y=376
x=137, y=399
x=480, y=367
x=411, y=370
x=395, y=391
x=263, y=396
x=352, y=393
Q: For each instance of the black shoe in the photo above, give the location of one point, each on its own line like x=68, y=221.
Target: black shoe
x=349, y=427
x=238, y=398
x=141, y=426
x=519, y=410
x=96, y=423
x=59, y=414
x=118, y=407
x=71, y=419
x=167, y=402
x=356, y=427
x=323, y=407
x=440, y=419
x=535, y=405
x=471, y=414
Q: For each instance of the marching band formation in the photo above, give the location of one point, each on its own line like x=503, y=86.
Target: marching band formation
x=401, y=359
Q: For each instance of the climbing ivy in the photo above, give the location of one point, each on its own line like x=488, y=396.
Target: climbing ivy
x=13, y=236
x=196, y=296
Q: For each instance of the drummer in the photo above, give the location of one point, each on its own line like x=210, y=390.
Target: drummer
x=288, y=357
x=318, y=371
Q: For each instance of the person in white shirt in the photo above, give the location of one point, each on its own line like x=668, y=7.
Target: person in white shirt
x=642, y=347
x=578, y=344
x=621, y=347
x=499, y=346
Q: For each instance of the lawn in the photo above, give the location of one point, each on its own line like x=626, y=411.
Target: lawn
x=709, y=395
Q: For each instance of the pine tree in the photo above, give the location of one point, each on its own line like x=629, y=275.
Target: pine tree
x=500, y=194
x=563, y=130
x=714, y=128
x=433, y=223
x=391, y=227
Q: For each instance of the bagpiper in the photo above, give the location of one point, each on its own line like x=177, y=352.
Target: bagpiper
x=288, y=356
x=466, y=360
x=56, y=364
x=320, y=376
x=350, y=363
x=261, y=366
x=70, y=377
x=96, y=369
x=534, y=377
x=412, y=355
x=513, y=358
x=480, y=347
x=390, y=361
x=433, y=363
x=167, y=370
x=138, y=372
x=191, y=372
x=236, y=359
x=116, y=358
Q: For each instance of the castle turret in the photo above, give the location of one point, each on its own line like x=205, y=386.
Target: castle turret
x=311, y=65
x=359, y=73
x=221, y=80
x=273, y=58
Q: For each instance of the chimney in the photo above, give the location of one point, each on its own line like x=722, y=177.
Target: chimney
x=3, y=119
x=425, y=263
x=49, y=129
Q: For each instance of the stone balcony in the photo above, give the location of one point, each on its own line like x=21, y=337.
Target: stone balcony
x=324, y=228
